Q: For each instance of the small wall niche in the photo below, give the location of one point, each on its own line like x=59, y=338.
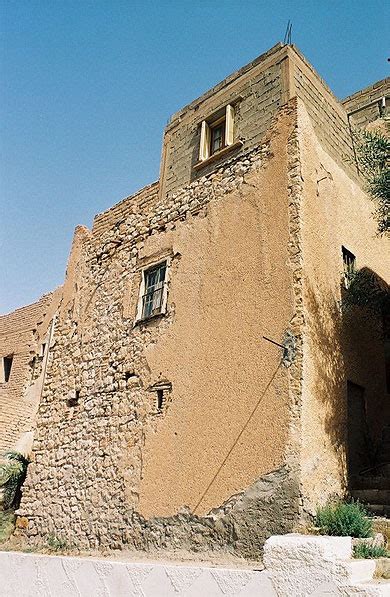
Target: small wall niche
x=74, y=400
x=132, y=379
x=5, y=368
x=130, y=375
x=161, y=392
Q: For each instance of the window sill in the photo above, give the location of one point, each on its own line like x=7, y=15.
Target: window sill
x=143, y=320
x=218, y=154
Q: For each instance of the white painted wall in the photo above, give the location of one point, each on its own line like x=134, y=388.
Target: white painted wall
x=33, y=575
x=296, y=566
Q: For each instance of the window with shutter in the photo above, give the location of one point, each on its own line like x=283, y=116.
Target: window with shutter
x=216, y=134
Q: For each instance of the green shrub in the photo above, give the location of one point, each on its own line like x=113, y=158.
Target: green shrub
x=56, y=543
x=343, y=520
x=365, y=550
x=7, y=525
x=13, y=469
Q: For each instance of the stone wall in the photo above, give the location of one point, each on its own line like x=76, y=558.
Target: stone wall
x=366, y=106
x=255, y=91
x=108, y=469
x=22, y=336
x=328, y=117
x=117, y=215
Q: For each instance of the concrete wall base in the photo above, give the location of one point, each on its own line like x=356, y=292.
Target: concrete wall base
x=33, y=575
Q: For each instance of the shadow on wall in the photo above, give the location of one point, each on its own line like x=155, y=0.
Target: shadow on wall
x=346, y=346
x=328, y=389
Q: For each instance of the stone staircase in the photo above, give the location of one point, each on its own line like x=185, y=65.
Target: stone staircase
x=372, y=488
x=319, y=566
x=373, y=492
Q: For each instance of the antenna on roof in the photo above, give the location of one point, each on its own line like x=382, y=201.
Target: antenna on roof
x=287, y=35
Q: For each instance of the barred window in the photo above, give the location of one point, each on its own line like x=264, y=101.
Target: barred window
x=349, y=263
x=154, y=286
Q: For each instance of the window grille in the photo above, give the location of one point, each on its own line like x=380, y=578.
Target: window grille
x=349, y=263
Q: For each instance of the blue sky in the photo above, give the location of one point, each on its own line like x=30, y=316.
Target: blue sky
x=87, y=88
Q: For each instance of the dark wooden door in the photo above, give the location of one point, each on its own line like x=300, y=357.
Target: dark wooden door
x=358, y=449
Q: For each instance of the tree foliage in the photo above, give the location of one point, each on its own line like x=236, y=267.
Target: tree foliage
x=372, y=151
x=13, y=469
x=367, y=289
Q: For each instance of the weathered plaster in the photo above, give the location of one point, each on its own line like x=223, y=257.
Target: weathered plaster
x=22, y=334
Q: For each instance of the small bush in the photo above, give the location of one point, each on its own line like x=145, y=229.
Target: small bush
x=365, y=550
x=344, y=520
x=56, y=543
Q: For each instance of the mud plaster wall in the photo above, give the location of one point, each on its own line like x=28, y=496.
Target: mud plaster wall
x=21, y=336
x=335, y=212
x=111, y=470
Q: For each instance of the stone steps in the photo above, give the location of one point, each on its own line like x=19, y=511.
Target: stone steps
x=359, y=571
x=372, y=496
x=319, y=566
x=360, y=482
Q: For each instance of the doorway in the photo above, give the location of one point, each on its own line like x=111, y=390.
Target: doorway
x=358, y=447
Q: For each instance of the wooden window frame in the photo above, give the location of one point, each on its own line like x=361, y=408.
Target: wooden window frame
x=206, y=134
x=141, y=316
x=218, y=124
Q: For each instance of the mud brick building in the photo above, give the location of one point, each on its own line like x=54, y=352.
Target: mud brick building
x=167, y=419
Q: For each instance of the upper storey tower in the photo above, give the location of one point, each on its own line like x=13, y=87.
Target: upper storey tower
x=232, y=117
